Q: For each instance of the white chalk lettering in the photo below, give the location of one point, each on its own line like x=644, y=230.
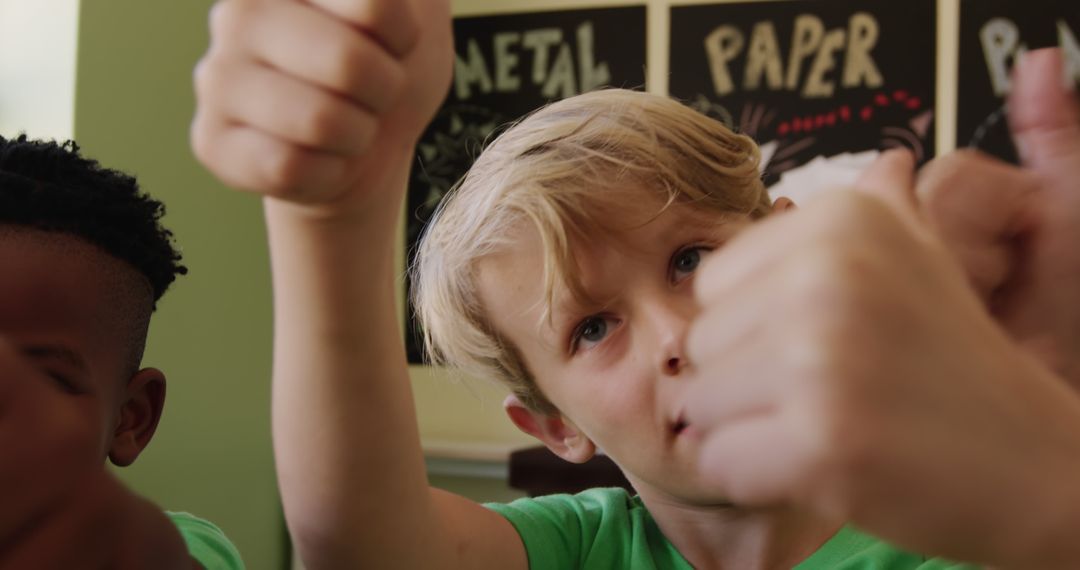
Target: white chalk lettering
x=506, y=61
x=560, y=82
x=1000, y=41
x=540, y=42
x=811, y=61
x=1002, y=47
x=472, y=71
x=593, y=75
x=763, y=58
x=1071, y=51
x=859, y=67
x=722, y=45
x=556, y=73
x=816, y=85
x=807, y=37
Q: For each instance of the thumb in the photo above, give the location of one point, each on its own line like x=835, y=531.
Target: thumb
x=1044, y=114
x=892, y=179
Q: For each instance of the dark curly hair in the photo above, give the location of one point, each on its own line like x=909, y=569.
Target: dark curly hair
x=49, y=186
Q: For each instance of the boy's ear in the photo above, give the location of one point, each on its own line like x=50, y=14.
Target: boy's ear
x=782, y=204
x=561, y=436
x=144, y=399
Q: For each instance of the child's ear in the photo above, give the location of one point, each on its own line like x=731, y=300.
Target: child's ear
x=140, y=411
x=561, y=436
x=782, y=204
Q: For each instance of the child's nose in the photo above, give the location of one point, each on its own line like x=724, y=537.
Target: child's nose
x=674, y=365
x=671, y=320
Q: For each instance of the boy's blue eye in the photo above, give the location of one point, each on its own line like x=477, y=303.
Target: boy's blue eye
x=590, y=332
x=594, y=330
x=686, y=261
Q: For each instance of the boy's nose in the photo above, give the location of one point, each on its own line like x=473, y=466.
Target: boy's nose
x=671, y=321
x=674, y=365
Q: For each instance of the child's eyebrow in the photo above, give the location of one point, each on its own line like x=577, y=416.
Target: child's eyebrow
x=56, y=352
x=566, y=312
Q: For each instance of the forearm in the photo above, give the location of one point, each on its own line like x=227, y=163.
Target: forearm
x=1038, y=511
x=346, y=442
x=1047, y=530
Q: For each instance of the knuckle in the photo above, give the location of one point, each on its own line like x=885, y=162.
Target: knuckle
x=321, y=122
x=282, y=172
x=212, y=81
x=204, y=76
x=392, y=20
x=225, y=18
x=843, y=214
x=949, y=173
x=358, y=70
x=347, y=63
x=972, y=156
x=945, y=171
x=865, y=211
x=203, y=138
x=383, y=13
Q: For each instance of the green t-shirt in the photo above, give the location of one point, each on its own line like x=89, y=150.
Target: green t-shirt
x=206, y=543
x=607, y=528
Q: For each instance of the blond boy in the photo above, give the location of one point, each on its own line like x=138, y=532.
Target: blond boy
x=564, y=265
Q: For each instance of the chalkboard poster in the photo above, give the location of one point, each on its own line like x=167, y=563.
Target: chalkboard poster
x=993, y=33
x=822, y=85
x=506, y=67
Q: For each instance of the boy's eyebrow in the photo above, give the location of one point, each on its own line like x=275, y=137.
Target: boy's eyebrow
x=57, y=352
x=566, y=313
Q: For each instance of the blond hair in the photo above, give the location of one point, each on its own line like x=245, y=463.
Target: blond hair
x=548, y=170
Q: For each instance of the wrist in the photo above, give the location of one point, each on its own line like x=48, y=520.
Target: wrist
x=1060, y=547
x=1046, y=525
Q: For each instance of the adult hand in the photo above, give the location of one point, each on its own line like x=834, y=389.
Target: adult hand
x=319, y=102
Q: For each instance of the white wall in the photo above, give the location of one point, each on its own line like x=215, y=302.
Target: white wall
x=38, y=41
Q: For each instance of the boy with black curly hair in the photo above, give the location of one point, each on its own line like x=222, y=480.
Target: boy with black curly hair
x=84, y=261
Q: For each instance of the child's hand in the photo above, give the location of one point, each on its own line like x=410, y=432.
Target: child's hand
x=844, y=364
x=61, y=509
x=320, y=101
x=1016, y=230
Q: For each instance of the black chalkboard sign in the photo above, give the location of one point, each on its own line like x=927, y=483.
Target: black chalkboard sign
x=819, y=84
x=507, y=66
x=993, y=34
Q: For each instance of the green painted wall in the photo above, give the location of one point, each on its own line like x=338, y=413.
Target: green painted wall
x=212, y=332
